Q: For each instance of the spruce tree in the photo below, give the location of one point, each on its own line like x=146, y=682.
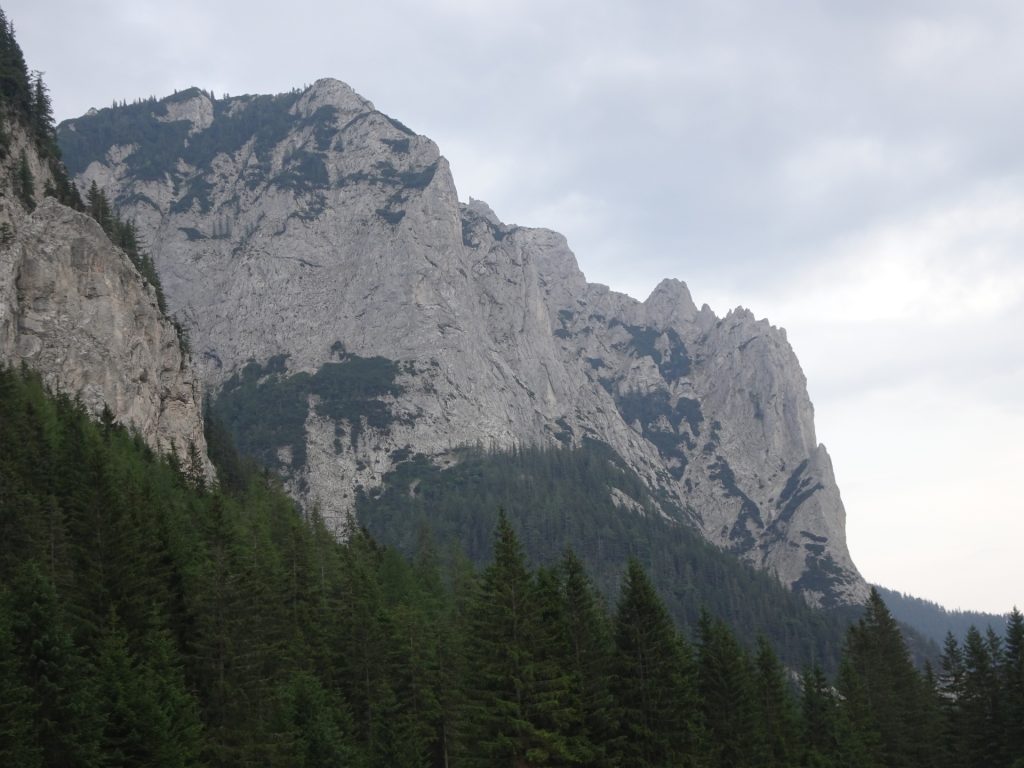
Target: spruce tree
x=654, y=681
x=1012, y=675
x=24, y=183
x=776, y=734
x=17, y=711
x=980, y=702
x=820, y=742
x=950, y=686
x=881, y=690
x=726, y=691
x=591, y=651
x=43, y=129
x=503, y=725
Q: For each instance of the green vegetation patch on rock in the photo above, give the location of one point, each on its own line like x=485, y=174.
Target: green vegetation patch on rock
x=265, y=408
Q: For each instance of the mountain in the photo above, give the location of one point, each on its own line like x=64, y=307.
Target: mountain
x=74, y=308
x=354, y=315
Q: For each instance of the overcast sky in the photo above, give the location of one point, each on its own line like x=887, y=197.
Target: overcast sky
x=852, y=171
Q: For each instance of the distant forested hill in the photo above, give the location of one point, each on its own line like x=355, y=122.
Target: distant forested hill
x=934, y=621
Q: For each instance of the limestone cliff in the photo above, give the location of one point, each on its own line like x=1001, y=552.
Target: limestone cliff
x=74, y=308
x=334, y=286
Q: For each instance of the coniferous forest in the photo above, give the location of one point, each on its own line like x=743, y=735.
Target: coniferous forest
x=148, y=619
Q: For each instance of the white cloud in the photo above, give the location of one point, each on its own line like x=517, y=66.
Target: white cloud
x=944, y=267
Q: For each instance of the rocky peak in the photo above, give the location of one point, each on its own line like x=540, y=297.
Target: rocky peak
x=193, y=106
x=482, y=209
x=328, y=92
x=670, y=304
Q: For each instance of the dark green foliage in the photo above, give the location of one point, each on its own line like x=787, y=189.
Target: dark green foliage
x=303, y=172
x=883, y=695
x=934, y=621
x=266, y=119
x=25, y=105
x=726, y=686
x=143, y=622
x=650, y=409
x=124, y=235
x=511, y=719
x=796, y=491
x=1012, y=676
x=265, y=409
x=390, y=216
x=562, y=498
x=24, y=183
x=325, y=126
x=820, y=742
x=15, y=83
x=980, y=705
x=776, y=732
x=590, y=649
x=654, y=681
x=750, y=514
x=398, y=146
x=197, y=192
x=64, y=726
x=17, y=711
x=673, y=364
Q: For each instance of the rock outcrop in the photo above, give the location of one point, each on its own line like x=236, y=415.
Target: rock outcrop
x=74, y=308
x=319, y=255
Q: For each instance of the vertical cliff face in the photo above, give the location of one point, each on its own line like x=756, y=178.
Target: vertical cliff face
x=351, y=313
x=75, y=309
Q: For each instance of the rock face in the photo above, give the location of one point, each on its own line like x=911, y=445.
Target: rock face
x=327, y=272
x=74, y=308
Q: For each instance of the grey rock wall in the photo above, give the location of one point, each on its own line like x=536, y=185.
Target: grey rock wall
x=74, y=308
x=341, y=238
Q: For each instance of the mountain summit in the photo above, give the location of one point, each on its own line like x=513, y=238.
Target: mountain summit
x=353, y=314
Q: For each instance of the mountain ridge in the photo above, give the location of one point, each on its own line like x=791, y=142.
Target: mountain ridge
x=311, y=230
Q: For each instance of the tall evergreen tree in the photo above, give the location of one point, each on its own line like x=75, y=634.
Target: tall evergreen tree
x=17, y=711
x=591, y=651
x=776, y=733
x=950, y=686
x=654, y=681
x=506, y=727
x=727, y=693
x=980, y=702
x=881, y=690
x=1013, y=687
x=820, y=738
x=15, y=91
x=24, y=183
x=42, y=125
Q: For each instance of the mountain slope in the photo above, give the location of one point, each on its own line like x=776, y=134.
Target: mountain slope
x=355, y=313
